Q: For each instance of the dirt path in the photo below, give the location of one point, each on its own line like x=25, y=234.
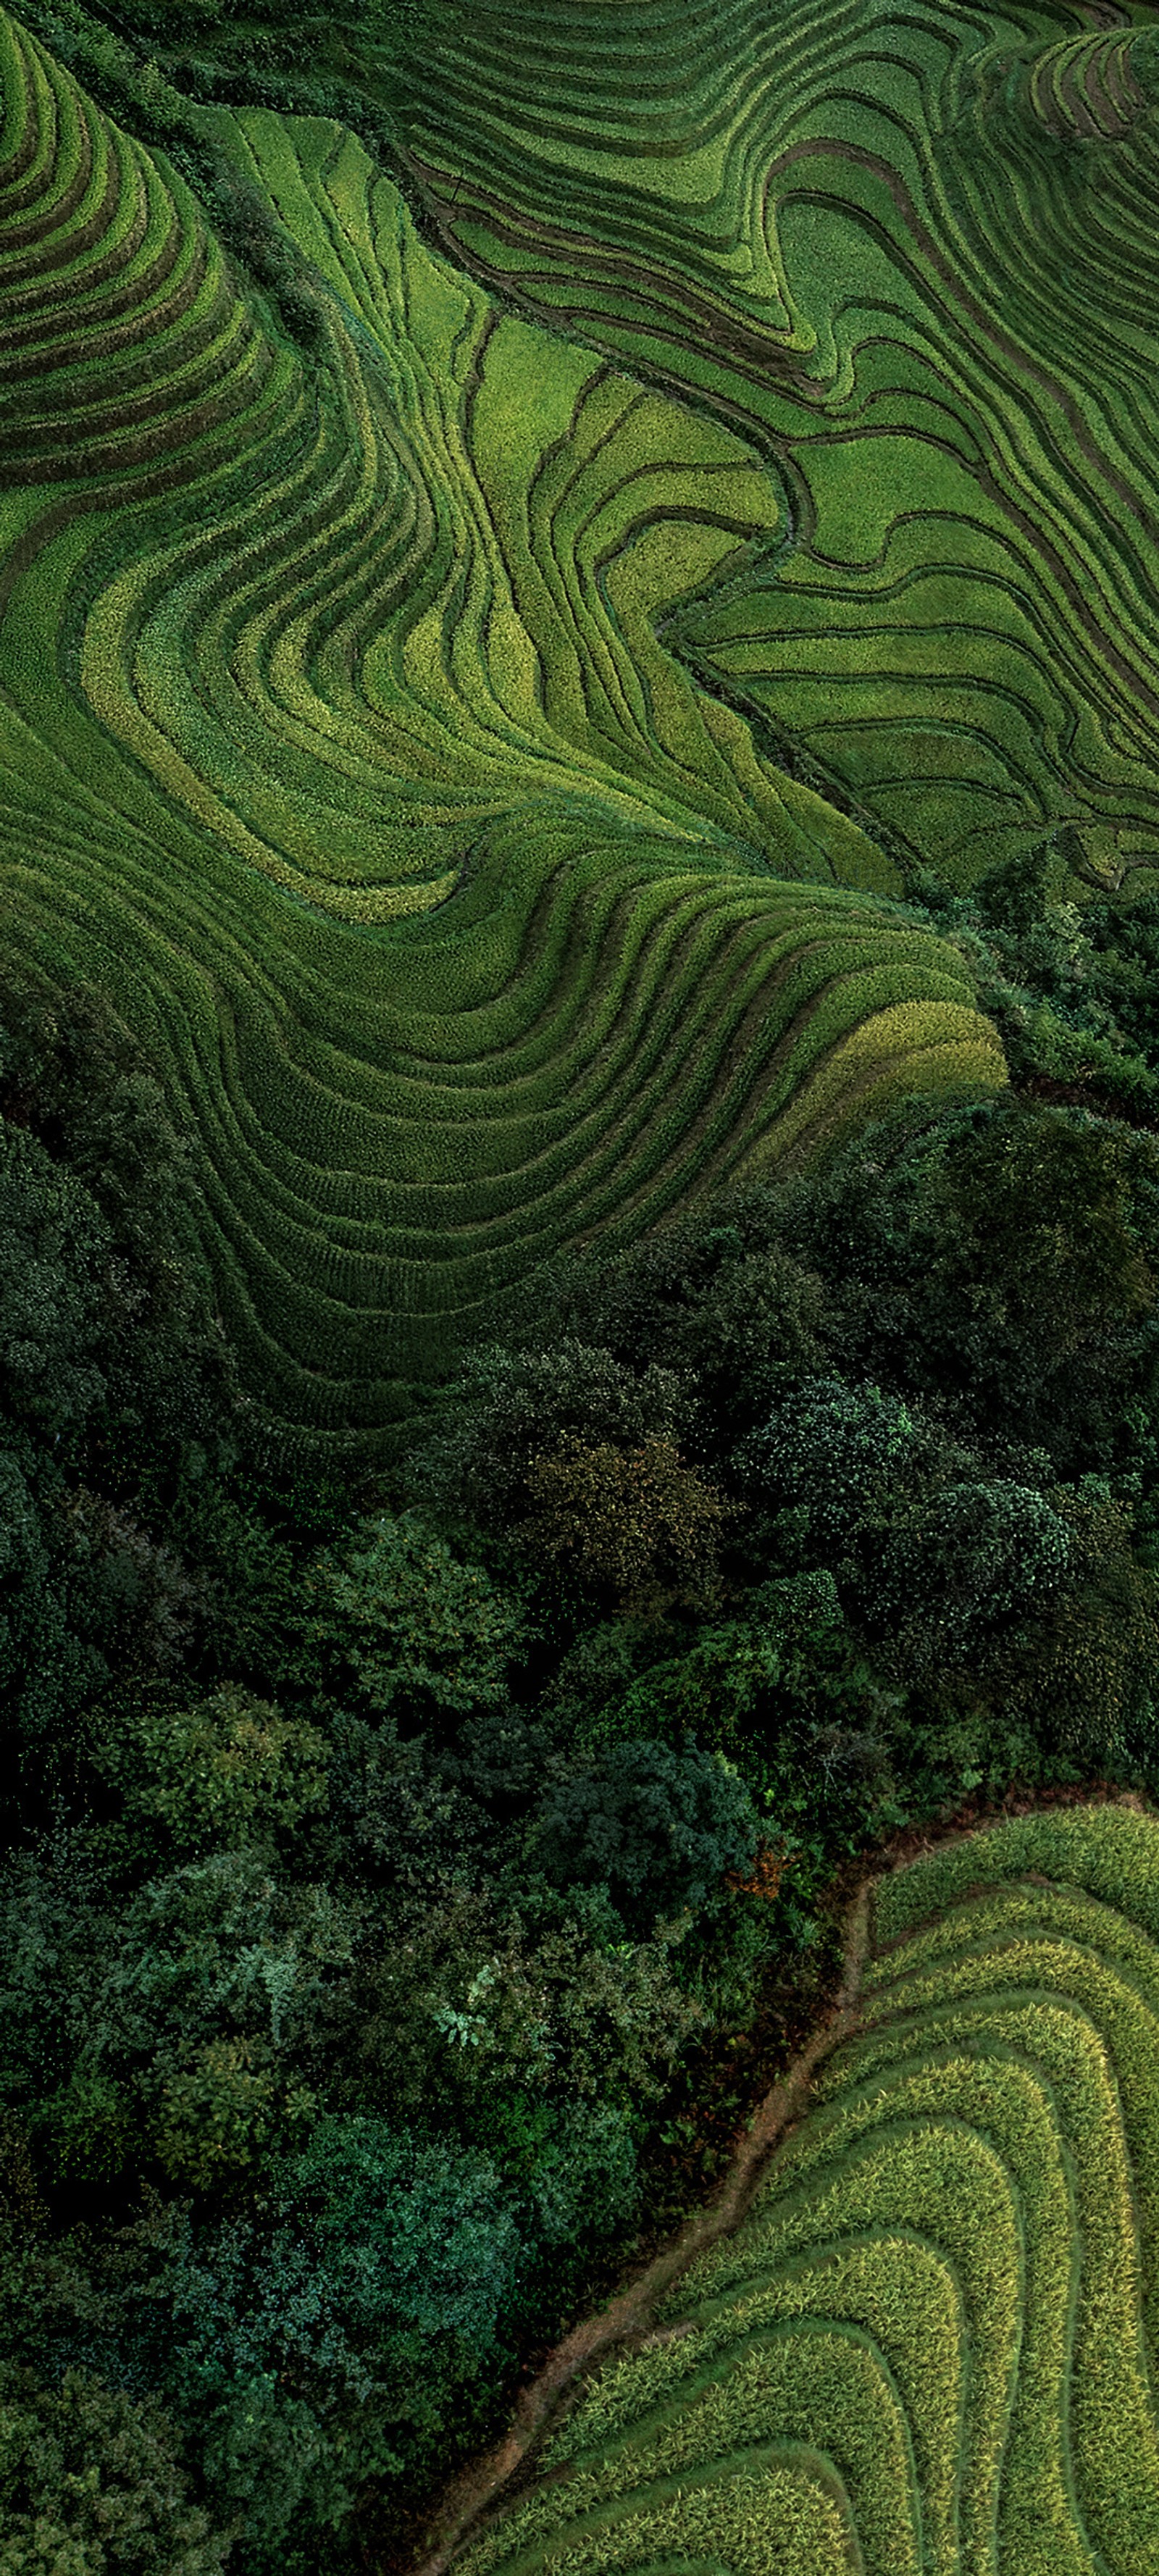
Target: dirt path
x=485, y=2488
x=485, y=2485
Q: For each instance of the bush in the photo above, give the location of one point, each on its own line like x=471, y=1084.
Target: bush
x=1087, y=1675
x=709, y=1303
x=1001, y=1264
x=90, y=2486
x=330, y=2342
x=230, y=1770
x=960, y=1561
x=419, y=2233
x=789, y=1666
x=56, y=1289
x=525, y=1988
x=190, y=2026
x=657, y=1828
x=831, y=1456
x=511, y=1407
x=574, y=2165
x=398, y=1617
x=637, y=1524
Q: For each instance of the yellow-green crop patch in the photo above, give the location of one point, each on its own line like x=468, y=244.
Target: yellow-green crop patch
x=342, y=740
x=943, y=2299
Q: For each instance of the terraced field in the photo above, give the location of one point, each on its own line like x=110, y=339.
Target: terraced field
x=929, y=2349
x=910, y=252
x=342, y=739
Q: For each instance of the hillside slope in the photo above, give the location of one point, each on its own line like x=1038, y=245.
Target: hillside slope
x=340, y=742
x=910, y=251
x=929, y=2348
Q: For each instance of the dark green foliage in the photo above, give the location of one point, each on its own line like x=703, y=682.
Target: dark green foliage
x=830, y=1456
x=55, y=1289
x=230, y=1769
x=789, y=1667
x=1069, y=989
x=187, y=2031
x=717, y=1303
x=959, y=1560
x=1123, y=965
x=638, y=1528
x=482, y=1996
x=107, y=1319
x=1013, y=898
x=658, y=1828
x=408, y=1627
x=328, y=2343
x=932, y=1552
x=515, y=1406
x=420, y=2234
x=999, y=1264
x=117, y=1417
x=1087, y=1674
x=499, y=1761
x=395, y=1819
x=90, y=2482
x=45, y=1666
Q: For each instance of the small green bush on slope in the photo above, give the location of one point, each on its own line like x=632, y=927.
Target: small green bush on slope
x=934, y=2313
x=89, y=2481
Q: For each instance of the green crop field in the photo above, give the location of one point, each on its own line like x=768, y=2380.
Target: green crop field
x=467, y=708
x=910, y=252
x=929, y=2347
x=344, y=741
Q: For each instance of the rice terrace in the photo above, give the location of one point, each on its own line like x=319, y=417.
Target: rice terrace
x=927, y=2346
x=579, y=1288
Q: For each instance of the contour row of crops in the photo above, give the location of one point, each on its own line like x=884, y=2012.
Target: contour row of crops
x=340, y=742
x=929, y=2348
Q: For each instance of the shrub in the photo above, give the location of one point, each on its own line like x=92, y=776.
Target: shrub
x=657, y=1828
x=54, y=1287
x=788, y=1666
x=524, y=1988
x=637, y=1524
x=420, y=1633
x=831, y=1455
x=215, y=2116
x=230, y=1770
x=90, y=2486
x=511, y=1407
x=1088, y=1673
x=193, y=2024
x=329, y=2342
x=999, y=1262
x=85, y=2130
x=710, y=1304
x=418, y=2232
x=958, y=1561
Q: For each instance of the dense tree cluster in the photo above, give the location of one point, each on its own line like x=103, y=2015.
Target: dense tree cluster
x=383, y=1858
